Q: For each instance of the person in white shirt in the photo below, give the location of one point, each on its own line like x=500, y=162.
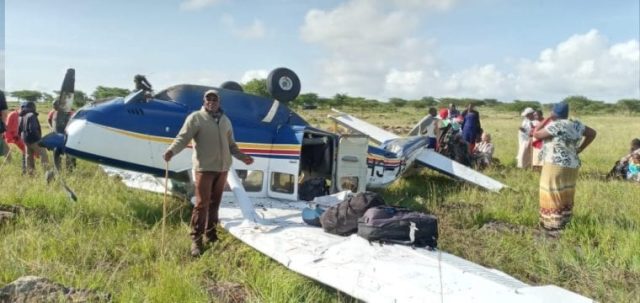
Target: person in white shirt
x=483, y=152
x=524, y=139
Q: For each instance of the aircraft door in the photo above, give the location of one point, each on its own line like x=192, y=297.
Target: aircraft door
x=284, y=164
x=351, y=163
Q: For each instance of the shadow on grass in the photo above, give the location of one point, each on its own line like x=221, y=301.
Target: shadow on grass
x=151, y=214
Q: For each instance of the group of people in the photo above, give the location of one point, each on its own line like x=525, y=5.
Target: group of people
x=21, y=128
x=551, y=145
x=628, y=167
x=457, y=135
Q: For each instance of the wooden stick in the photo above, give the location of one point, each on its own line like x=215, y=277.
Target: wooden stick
x=164, y=204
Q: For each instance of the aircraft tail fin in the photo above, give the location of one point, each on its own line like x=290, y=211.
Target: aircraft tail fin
x=375, y=133
x=436, y=161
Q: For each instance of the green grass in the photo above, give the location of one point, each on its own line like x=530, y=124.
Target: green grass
x=110, y=239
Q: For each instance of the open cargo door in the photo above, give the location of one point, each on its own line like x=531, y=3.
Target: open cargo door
x=351, y=163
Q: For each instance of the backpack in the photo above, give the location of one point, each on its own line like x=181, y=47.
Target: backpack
x=342, y=218
x=29, y=128
x=311, y=188
x=394, y=225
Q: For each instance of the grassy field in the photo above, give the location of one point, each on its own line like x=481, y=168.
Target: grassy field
x=110, y=239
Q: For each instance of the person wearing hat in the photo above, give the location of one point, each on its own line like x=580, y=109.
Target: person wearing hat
x=214, y=144
x=31, y=133
x=524, y=139
x=564, y=140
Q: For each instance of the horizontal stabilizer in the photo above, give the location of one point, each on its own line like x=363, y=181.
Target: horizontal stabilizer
x=375, y=133
x=434, y=160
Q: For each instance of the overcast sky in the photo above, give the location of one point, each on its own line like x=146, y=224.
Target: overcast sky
x=538, y=49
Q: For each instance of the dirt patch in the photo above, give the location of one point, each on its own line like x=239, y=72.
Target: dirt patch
x=228, y=292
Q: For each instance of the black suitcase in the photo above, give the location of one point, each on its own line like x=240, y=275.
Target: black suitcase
x=399, y=225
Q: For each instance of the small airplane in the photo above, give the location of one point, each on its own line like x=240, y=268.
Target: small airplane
x=133, y=132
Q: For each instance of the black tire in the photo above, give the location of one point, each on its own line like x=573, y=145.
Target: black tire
x=283, y=84
x=232, y=85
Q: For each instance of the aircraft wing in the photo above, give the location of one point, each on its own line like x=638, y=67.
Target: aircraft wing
x=375, y=133
x=436, y=161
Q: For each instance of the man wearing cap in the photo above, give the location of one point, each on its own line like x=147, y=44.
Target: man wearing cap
x=213, y=147
x=524, y=139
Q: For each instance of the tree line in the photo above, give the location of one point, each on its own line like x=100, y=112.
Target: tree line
x=80, y=98
x=578, y=104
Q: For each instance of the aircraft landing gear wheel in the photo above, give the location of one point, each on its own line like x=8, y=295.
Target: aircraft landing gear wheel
x=283, y=84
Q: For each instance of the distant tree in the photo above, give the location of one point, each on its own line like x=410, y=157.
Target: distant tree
x=79, y=98
x=398, y=102
x=28, y=95
x=519, y=105
x=257, y=87
x=429, y=101
x=103, y=92
x=306, y=99
x=629, y=105
x=48, y=98
x=491, y=102
x=339, y=100
x=577, y=104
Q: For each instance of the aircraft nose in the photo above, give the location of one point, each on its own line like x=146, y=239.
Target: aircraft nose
x=53, y=140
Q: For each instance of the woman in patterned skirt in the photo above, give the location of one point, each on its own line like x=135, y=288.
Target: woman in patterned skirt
x=563, y=141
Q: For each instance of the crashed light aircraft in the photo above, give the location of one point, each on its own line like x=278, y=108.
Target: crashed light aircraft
x=133, y=132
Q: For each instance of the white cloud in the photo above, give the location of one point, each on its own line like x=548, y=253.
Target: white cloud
x=404, y=81
x=254, y=74
x=380, y=56
x=428, y=4
x=585, y=64
x=254, y=31
x=364, y=53
x=197, y=4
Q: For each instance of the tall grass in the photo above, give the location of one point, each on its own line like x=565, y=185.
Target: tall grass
x=110, y=239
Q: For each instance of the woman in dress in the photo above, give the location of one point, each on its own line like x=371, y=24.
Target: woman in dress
x=536, y=145
x=563, y=142
x=524, y=139
x=471, y=128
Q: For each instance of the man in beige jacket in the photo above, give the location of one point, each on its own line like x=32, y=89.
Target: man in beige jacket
x=214, y=145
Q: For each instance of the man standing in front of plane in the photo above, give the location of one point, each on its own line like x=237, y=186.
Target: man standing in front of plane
x=214, y=145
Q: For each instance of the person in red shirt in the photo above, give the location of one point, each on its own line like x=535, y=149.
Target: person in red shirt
x=12, y=135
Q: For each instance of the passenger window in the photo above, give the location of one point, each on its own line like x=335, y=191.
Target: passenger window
x=349, y=183
x=251, y=179
x=282, y=183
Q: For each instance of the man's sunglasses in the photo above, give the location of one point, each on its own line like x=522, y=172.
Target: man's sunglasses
x=211, y=98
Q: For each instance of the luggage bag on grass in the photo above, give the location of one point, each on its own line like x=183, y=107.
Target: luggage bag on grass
x=394, y=225
x=342, y=218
